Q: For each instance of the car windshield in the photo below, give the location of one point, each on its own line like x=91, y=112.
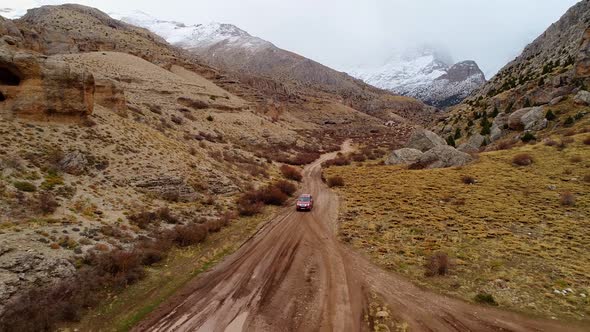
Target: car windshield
x=304, y=199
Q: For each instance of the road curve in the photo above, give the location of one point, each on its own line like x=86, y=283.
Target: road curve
x=294, y=275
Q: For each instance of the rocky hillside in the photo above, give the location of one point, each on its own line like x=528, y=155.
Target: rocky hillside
x=249, y=58
x=543, y=89
x=425, y=74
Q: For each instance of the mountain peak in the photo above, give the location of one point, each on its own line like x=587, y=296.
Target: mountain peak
x=426, y=73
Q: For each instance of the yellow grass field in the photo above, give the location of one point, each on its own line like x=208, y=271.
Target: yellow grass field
x=507, y=235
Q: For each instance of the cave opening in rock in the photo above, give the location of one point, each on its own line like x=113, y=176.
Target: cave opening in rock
x=2, y=97
x=8, y=77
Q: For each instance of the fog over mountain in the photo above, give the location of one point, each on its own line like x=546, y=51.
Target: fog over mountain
x=343, y=34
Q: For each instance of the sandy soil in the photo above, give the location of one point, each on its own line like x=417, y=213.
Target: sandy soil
x=294, y=275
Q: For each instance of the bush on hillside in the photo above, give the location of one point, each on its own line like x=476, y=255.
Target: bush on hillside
x=291, y=173
x=335, y=181
x=437, y=264
x=567, y=199
x=522, y=159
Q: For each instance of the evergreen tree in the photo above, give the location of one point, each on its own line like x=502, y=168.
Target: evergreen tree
x=451, y=141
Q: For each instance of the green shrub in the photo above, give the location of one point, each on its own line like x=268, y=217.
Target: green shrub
x=485, y=298
x=209, y=118
x=527, y=137
x=451, y=140
x=25, y=186
x=550, y=115
x=457, y=133
x=569, y=121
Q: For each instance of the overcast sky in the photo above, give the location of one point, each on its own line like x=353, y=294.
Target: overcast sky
x=346, y=33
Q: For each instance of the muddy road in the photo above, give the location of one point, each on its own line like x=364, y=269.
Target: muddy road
x=294, y=275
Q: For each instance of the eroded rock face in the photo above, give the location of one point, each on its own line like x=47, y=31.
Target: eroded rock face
x=425, y=140
x=405, y=156
x=110, y=95
x=443, y=156
x=33, y=85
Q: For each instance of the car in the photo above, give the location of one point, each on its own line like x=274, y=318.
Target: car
x=304, y=202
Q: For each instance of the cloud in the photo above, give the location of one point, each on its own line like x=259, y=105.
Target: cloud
x=346, y=33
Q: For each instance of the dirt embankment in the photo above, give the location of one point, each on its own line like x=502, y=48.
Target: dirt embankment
x=294, y=275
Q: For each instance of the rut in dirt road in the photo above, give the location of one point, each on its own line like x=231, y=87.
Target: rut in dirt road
x=294, y=275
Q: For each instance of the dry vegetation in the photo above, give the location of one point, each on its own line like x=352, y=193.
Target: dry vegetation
x=516, y=237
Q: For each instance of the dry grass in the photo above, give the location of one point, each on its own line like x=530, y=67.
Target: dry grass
x=508, y=236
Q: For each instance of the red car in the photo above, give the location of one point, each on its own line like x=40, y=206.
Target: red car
x=304, y=203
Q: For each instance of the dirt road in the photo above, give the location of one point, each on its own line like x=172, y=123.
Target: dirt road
x=294, y=275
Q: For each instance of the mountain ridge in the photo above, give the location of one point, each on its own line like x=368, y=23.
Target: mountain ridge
x=424, y=74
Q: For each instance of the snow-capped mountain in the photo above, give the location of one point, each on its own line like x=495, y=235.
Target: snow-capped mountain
x=426, y=74
x=194, y=37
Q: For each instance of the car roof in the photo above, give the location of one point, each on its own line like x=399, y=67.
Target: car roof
x=305, y=195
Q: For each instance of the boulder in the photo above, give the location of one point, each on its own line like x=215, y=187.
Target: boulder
x=514, y=121
x=74, y=163
x=405, y=156
x=473, y=144
x=582, y=98
x=425, y=140
x=443, y=156
x=33, y=85
x=497, y=130
x=531, y=118
x=534, y=119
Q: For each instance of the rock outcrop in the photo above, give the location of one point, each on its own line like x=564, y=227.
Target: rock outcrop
x=424, y=140
x=426, y=149
x=38, y=86
x=405, y=156
x=532, y=118
x=443, y=156
x=473, y=144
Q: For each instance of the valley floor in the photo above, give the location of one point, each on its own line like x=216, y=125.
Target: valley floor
x=294, y=274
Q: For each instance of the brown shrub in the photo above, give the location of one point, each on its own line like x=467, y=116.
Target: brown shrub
x=358, y=157
x=576, y=159
x=335, y=181
x=338, y=161
x=586, y=178
x=249, y=203
x=468, y=179
x=213, y=226
x=550, y=142
x=587, y=140
x=304, y=158
x=190, y=234
x=567, y=199
x=437, y=264
x=286, y=187
x=291, y=173
x=143, y=219
x=47, y=202
x=504, y=145
x=165, y=215
x=272, y=195
x=522, y=159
